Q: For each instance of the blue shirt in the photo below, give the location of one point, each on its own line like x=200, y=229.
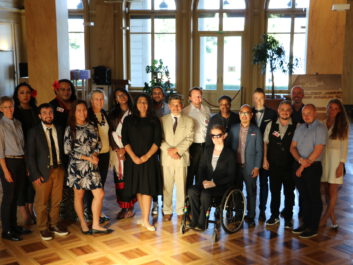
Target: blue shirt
x=308, y=136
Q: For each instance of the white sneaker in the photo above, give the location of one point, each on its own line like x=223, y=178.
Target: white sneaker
x=155, y=208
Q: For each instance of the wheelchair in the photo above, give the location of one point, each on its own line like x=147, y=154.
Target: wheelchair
x=229, y=213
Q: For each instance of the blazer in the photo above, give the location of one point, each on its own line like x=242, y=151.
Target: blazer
x=223, y=175
x=253, y=146
x=182, y=139
x=269, y=115
x=38, y=155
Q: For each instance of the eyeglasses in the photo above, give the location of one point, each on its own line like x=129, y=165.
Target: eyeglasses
x=245, y=113
x=217, y=136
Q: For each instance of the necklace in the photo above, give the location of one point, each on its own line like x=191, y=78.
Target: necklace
x=102, y=123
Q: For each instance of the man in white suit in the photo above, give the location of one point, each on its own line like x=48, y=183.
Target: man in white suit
x=178, y=135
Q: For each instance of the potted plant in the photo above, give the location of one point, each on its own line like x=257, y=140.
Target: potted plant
x=159, y=77
x=270, y=52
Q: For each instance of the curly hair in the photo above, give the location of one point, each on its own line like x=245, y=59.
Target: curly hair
x=32, y=101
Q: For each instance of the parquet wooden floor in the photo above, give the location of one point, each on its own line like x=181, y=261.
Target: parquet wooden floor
x=131, y=244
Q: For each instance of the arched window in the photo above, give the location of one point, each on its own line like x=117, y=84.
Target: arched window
x=76, y=34
x=151, y=36
x=218, y=29
x=287, y=22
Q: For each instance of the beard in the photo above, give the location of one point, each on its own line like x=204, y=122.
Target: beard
x=48, y=122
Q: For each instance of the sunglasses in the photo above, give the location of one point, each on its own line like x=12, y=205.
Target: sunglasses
x=217, y=136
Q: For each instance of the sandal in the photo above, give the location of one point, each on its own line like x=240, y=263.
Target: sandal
x=121, y=214
x=129, y=213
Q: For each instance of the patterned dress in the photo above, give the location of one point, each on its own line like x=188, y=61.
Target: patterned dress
x=82, y=174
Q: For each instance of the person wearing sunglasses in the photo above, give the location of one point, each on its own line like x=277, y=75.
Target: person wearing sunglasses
x=216, y=171
x=246, y=142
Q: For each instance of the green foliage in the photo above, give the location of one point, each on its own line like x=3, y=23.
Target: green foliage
x=159, y=77
x=271, y=53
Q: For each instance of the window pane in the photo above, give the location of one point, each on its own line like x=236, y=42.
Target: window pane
x=164, y=4
x=299, y=52
x=280, y=4
x=76, y=25
x=74, y=4
x=278, y=24
x=208, y=22
x=281, y=79
x=234, y=4
x=140, y=24
x=140, y=5
x=232, y=63
x=208, y=63
x=165, y=25
x=140, y=56
x=164, y=48
x=300, y=24
x=77, y=50
x=302, y=3
x=233, y=22
x=208, y=4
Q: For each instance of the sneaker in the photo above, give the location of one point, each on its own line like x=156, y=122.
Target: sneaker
x=299, y=230
x=272, y=221
x=155, y=208
x=308, y=234
x=46, y=235
x=58, y=230
x=262, y=216
x=288, y=224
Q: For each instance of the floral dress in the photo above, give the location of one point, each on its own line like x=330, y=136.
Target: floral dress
x=82, y=174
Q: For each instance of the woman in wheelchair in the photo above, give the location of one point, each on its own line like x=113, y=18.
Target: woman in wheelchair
x=216, y=174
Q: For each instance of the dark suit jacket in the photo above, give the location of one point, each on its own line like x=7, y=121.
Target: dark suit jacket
x=38, y=155
x=253, y=146
x=223, y=175
x=269, y=115
x=60, y=114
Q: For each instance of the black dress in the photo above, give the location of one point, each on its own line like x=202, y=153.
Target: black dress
x=141, y=134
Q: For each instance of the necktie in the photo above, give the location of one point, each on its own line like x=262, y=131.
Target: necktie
x=175, y=124
x=53, y=149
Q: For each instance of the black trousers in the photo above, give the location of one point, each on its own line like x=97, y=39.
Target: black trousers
x=200, y=200
x=195, y=151
x=11, y=190
x=309, y=188
x=263, y=187
x=103, y=166
x=282, y=177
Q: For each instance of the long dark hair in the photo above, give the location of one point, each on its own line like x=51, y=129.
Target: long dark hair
x=150, y=110
x=340, y=127
x=116, y=112
x=72, y=118
x=32, y=101
x=73, y=89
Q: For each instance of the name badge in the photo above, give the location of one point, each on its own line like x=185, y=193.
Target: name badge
x=277, y=134
x=59, y=109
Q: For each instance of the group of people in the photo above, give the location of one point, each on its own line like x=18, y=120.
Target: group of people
x=65, y=147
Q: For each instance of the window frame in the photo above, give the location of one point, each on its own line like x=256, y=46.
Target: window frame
x=293, y=13
x=152, y=14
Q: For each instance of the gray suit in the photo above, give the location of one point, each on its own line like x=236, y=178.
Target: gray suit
x=253, y=159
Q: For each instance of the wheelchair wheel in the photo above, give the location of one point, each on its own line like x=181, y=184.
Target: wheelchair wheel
x=232, y=208
x=186, y=216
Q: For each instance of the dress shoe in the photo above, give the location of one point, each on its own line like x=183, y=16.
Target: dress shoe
x=11, y=236
x=167, y=217
x=106, y=231
x=20, y=230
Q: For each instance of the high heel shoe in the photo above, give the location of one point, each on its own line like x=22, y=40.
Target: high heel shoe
x=334, y=226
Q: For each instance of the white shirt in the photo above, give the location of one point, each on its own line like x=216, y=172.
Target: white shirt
x=55, y=137
x=201, y=118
